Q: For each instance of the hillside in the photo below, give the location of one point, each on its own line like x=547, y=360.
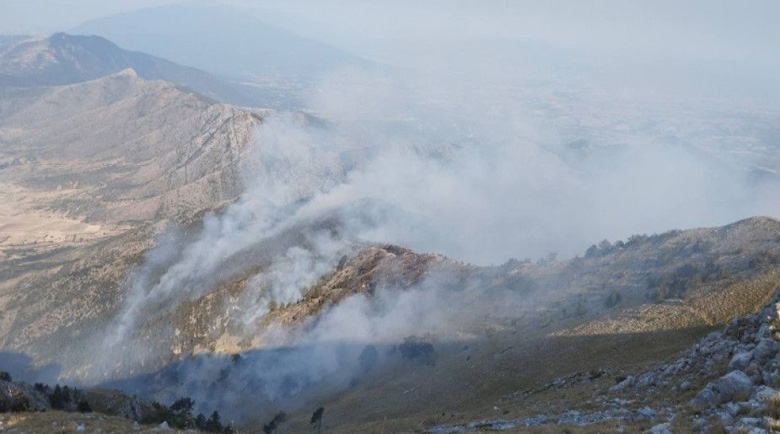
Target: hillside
x=7, y=40
x=515, y=337
x=89, y=174
x=497, y=331
x=62, y=59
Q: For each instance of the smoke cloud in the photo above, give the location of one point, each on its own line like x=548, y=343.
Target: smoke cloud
x=479, y=172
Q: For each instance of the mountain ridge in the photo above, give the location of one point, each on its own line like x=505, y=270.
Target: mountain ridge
x=62, y=59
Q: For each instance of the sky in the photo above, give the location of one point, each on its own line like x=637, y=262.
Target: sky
x=47, y=16
x=714, y=29
x=706, y=29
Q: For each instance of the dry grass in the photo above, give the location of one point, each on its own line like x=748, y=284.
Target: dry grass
x=772, y=407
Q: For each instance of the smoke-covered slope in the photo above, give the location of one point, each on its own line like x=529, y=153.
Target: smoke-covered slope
x=481, y=334
x=66, y=59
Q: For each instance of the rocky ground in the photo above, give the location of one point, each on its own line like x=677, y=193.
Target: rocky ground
x=727, y=382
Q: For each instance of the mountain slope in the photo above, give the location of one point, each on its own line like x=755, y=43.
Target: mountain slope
x=67, y=59
x=498, y=331
x=123, y=148
x=8, y=40
x=89, y=174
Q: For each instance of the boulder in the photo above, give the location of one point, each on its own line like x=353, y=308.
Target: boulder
x=662, y=428
x=740, y=361
x=763, y=393
x=765, y=350
x=628, y=382
x=734, y=386
x=647, y=413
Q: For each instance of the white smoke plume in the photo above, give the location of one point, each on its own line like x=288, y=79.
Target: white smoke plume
x=389, y=159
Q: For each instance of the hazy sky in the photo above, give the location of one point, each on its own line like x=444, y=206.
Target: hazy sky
x=47, y=16
x=713, y=30
x=702, y=29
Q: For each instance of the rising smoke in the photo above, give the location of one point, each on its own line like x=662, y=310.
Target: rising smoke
x=407, y=161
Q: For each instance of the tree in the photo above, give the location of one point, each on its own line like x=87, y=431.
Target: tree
x=181, y=410
x=183, y=406
x=270, y=427
x=214, y=424
x=605, y=247
x=316, y=419
x=57, y=398
x=84, y=407
x=200, y=421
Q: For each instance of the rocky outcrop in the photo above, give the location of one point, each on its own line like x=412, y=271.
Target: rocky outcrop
x=734, y=386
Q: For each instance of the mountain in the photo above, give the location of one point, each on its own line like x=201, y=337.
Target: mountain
x=7, y=40
x=91, y=172
x=120, y=142
x=66, y=59
x=223, y=40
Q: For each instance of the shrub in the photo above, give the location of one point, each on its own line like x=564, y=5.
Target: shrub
x=316, y=419
x=273, y=425
x=84, y=407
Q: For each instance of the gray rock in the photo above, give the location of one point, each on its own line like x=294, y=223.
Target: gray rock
x=765, y=350
x=732, y=408
x=734, y=386
x=740, y=361
x=628, y=382
x=763, y=393
x=725, y=417
x=662, y=428
x=647, y=413
x=750, y=421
